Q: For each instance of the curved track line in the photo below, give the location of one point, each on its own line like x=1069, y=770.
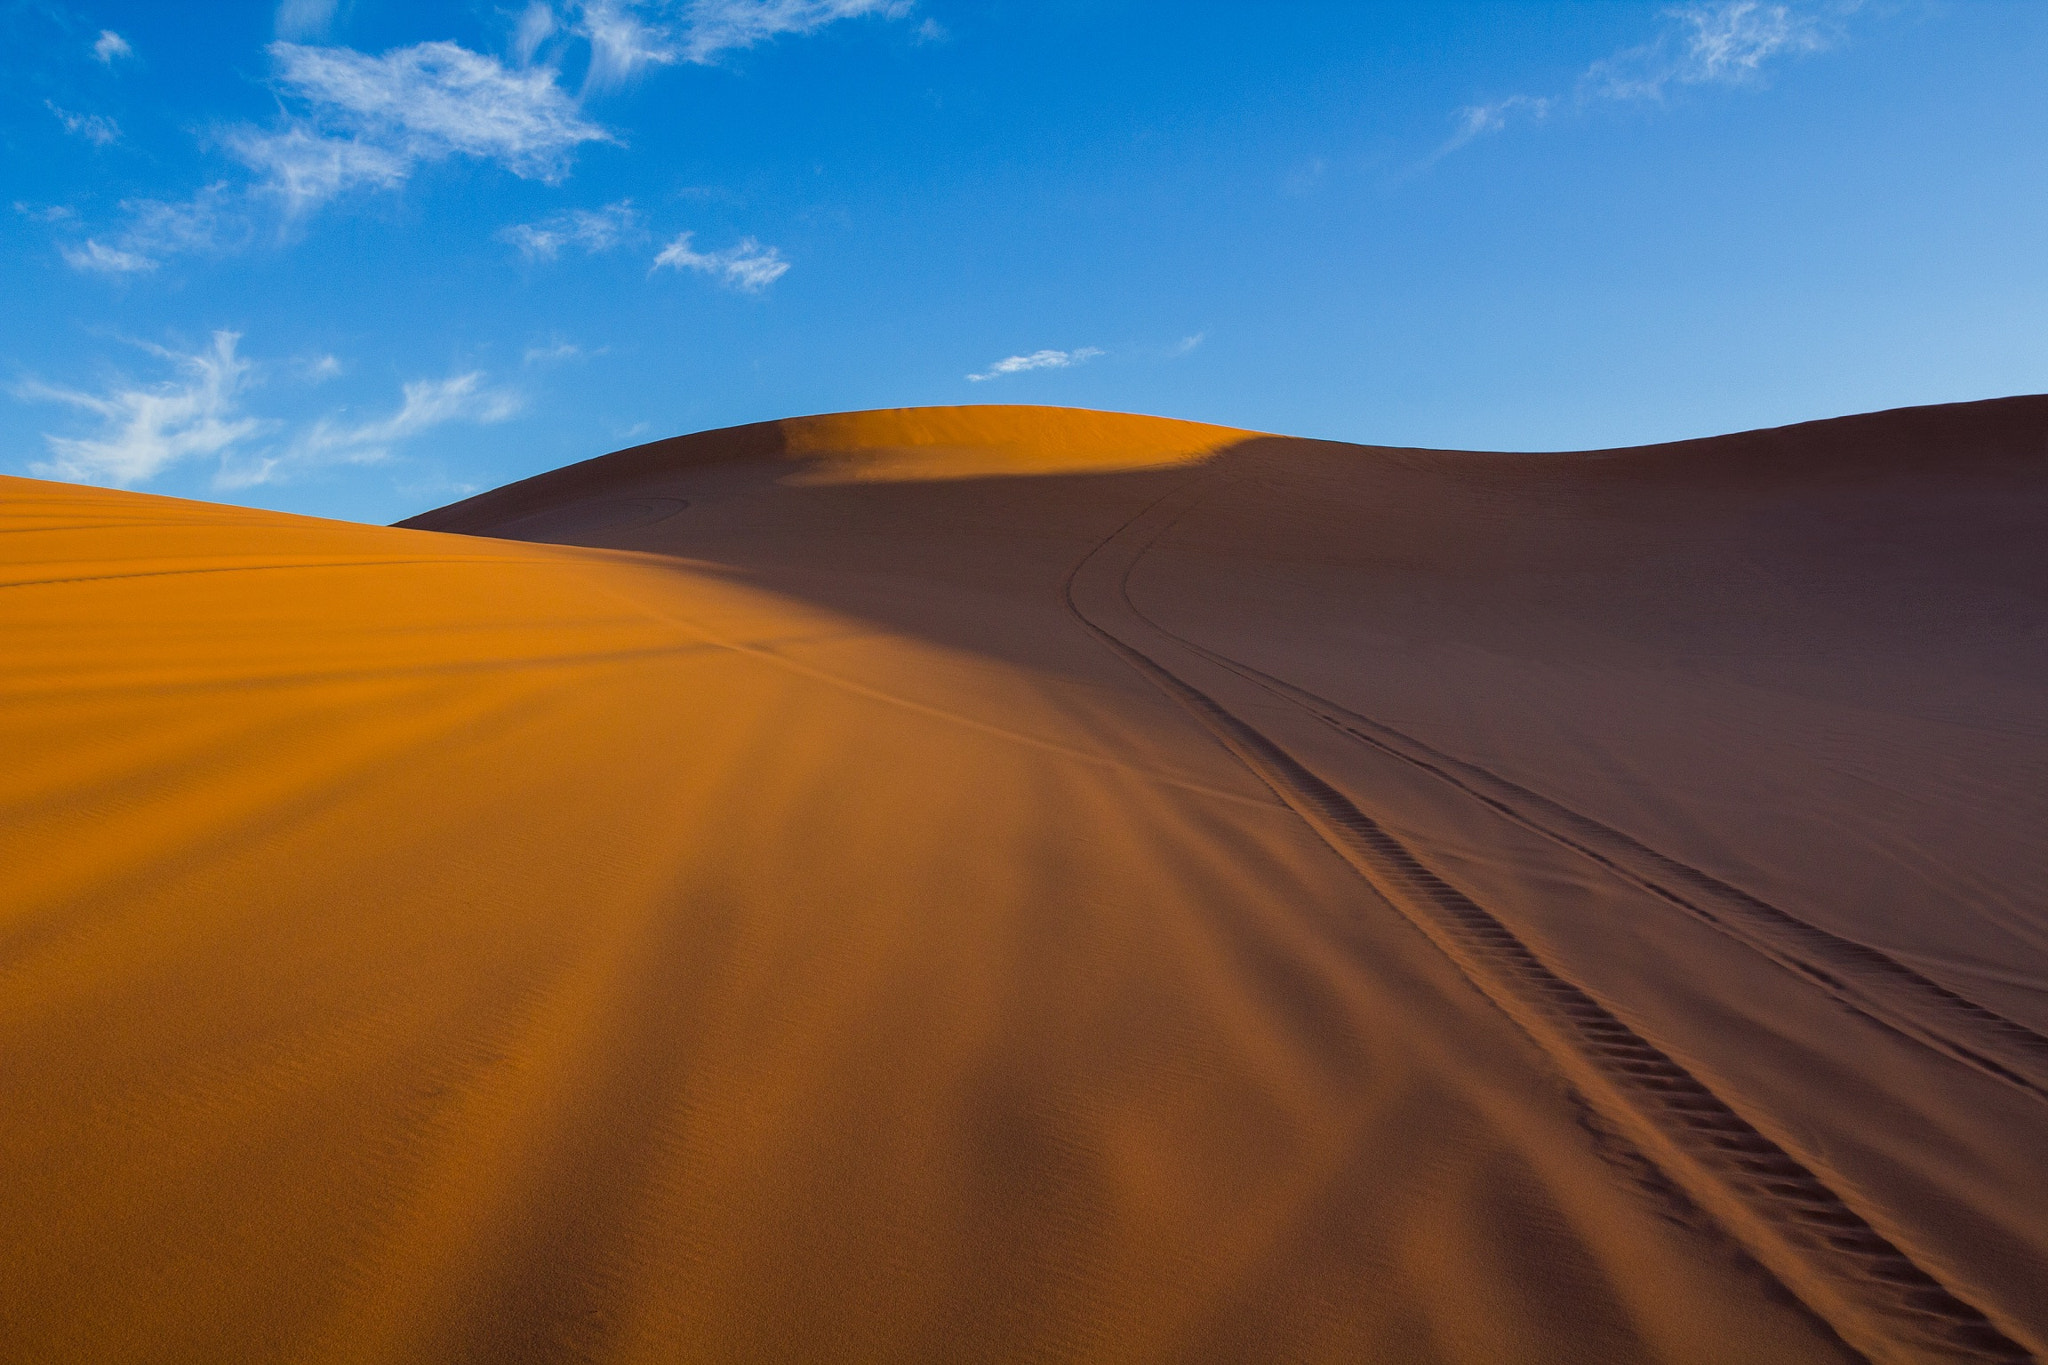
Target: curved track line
x=1866, y=979
x=1880, y=1300
x=782, y=661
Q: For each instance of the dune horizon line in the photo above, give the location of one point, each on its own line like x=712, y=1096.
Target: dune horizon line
x=1066, y=440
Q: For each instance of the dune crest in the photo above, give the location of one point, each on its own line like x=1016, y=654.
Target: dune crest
x=1003, y=883
x=885, y=445
x=962, y=443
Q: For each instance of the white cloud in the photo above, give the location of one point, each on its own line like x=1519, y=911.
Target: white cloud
x=593, y=230
x=304, y=169
x=96, y=257
x=428, y=403
x=1718, y=42
x=1188, y=343
x=627, y=36
x=716, y=26
x=622, y=43
x=1727, y=42
x=198, y=413
x=372, y=120
x=1477, y=120
x=537, y=24
x=208, y=221
x=110, y=45
x=48, y=213
x=144, y=430
x=1732, y=41
x=1037, y=360
x=749, y=267
x=304, y=18
x=433, y=100
x=205, y=222
x=553, y=353
x=97, y=129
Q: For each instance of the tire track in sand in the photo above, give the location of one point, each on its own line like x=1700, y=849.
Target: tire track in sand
x=1867, y=980
x=1881, y=1301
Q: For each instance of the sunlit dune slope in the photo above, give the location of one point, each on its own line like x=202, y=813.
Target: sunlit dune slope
x=1009, y=883
x=846, y=447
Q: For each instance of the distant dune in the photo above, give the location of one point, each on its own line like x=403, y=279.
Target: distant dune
x=1024, y=884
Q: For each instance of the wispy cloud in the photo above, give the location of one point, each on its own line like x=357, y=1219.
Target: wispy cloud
x=592, y=230
x=200, y=412
x=207, y=221
x=298, y=19
x=97, y=129
x=748, y=267
x=146, y=429
x=1039, y=360
x=628, y=36
x=427, y=403
x=1725, y=43
x=1731, y=42
x=1188, y=343
x=552, y=352
x=95, y=257
x=716, y=26
x=372, y=119
x=302, y=168
x=1477, y=120
x=537, y=24
x=210, y=220
x=623, y=42
x=110, y=45
x=1717, y=42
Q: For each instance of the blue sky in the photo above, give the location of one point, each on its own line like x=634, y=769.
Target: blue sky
x=358, y=258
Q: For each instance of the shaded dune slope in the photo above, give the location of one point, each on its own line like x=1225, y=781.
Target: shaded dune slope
x=1009, y=883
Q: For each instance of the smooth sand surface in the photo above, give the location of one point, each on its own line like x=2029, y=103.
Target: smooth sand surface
x=1018, y=884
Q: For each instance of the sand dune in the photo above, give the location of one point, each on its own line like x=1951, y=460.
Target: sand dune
x=1010, y=883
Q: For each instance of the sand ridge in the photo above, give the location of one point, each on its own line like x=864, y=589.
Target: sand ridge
x=1006, y=883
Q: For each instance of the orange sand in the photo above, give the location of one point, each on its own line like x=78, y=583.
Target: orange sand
x=1007, y=883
